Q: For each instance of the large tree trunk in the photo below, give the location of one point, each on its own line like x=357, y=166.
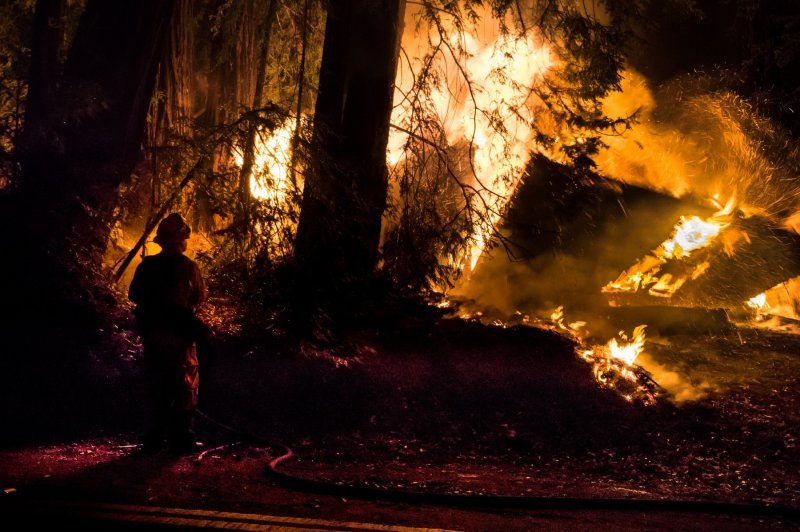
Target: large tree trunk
x=237, y=58
x=47, y=39
x=70, y=185
x=56, y=225
x=345, y=191
x=248, y=154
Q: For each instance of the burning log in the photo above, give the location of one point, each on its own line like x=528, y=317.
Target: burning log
x=557, y=210
x=569, y=235
x=720, y=262
x=576, y=233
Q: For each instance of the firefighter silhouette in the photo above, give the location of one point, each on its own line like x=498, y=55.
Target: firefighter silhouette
x=166, y=288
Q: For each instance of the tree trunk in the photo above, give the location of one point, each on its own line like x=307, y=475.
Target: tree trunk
x=48, y=36
x=345, y=192
x=57, y=223
x=211, y=115
x=71, y=185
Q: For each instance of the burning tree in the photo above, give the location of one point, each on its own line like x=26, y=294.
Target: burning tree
x=470, y=106
x=469, y=109
x=474, y=102
x=480, y=87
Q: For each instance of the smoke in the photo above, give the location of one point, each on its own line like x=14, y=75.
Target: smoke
x=681, y=386
x=692, y=140
x=696, y=139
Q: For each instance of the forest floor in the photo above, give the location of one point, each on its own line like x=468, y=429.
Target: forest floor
x=439, y=406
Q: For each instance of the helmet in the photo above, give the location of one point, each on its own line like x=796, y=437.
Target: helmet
x=172, y=230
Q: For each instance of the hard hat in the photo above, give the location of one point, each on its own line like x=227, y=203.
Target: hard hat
x=172, y=229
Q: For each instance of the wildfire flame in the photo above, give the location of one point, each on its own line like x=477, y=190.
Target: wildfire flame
x=492, y=110
x=627, y=350
x=269, y=179
x=575, y=327
x=690, y=234
x=758, y=303
x=613, y=364
x=777, y=306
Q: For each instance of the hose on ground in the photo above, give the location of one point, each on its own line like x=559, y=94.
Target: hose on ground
x=322, y=487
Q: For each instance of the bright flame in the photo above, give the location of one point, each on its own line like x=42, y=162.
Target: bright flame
x=491, y=109
x=575, y=328
x=758, y=303
x=269, y=180
x=627, y=350
x=779, y=307
x=492, y=112
x=558, y=316
x=689, y=235
x=613, y=364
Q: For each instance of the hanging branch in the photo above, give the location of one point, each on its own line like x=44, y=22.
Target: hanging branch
x=153, y=221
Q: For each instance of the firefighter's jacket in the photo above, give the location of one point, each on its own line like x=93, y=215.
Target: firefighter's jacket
x=166, y=288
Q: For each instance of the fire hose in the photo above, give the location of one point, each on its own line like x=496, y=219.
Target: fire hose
x=483, y=501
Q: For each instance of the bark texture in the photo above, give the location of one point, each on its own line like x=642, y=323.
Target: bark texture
x=345, y=191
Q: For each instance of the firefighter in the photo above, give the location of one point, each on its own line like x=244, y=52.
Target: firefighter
x=166, y=289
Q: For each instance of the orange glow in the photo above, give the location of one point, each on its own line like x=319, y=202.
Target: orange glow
x=709, y=145
x=269, y=180
x=782, y=301
x=491, y=110
x=690, y=234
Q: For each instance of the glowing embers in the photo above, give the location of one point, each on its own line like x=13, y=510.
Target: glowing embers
x=675, y=261
x=613, y=364
x=777, y=308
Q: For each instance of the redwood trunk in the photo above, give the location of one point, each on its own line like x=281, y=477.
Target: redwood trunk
x=57, y=223
x=345, y=191
x=71, y=184
x=48, y=35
